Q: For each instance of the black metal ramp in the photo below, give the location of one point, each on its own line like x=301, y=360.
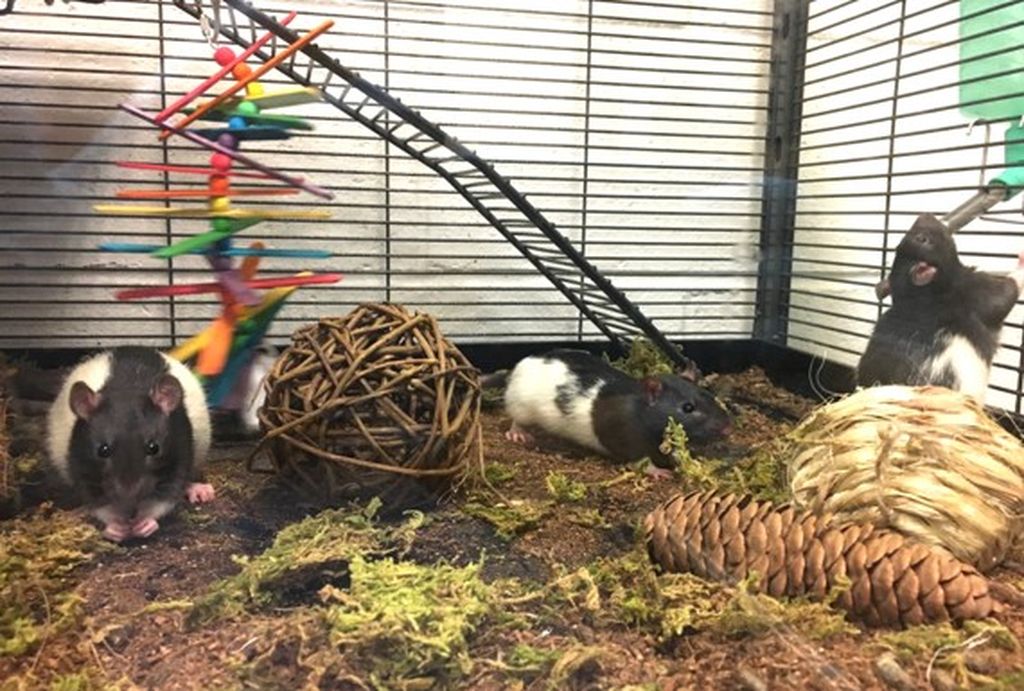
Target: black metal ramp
x=475, y=179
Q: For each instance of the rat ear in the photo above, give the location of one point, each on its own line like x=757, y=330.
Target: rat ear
x=167, y=393
x=652, y=388
x=690, y=373
x=928, y=222
x=84, y=400
x=883, y=288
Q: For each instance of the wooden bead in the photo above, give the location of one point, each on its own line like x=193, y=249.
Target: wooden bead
x=220, y=162
x=218, y=184
x=246, y=108
x=241, y=70
x=236, y=122
x=224, y=56
x=220, y=204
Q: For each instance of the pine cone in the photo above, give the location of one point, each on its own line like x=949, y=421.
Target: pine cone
x=893, y=581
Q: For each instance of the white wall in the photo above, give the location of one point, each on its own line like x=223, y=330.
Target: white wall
x=665, y=160
x=843, y=223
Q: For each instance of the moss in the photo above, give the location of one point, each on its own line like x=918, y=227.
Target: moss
x=564, y=489
x=922, y=641
x=588, y=518
x=526, y=658
x=644, y=360
x=1011, y=681
x=407, y=620
x=761, y=473
x=319, y=548
x=499, y=473
x=38, y=555
x=512, y=518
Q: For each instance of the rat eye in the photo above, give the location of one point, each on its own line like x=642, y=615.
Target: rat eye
x=152, y=448
x=103, y=451
x=688, y=408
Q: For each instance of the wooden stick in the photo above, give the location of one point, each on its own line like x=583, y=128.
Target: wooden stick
x=220, y=74
x=252, y=76
x=205, y=193
x=230, y=153
x=200, y=288
x=190, y=170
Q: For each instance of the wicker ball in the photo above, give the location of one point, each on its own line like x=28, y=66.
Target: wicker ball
x=927, y=462
x=372, y=402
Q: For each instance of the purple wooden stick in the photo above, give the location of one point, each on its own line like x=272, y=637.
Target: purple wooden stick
x=241, y=158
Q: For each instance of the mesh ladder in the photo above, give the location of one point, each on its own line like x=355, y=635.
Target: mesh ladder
x=536, y=238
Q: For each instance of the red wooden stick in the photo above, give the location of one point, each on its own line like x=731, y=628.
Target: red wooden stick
x=201, y=89
x=199, y=288
x=190, y=170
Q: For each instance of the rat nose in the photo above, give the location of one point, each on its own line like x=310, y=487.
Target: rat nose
x=727, y=429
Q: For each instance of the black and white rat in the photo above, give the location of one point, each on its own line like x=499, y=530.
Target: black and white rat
x=944, y=324
x=577, y=396
x=130, y=430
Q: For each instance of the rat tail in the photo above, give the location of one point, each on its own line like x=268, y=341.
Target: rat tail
x=494, y=380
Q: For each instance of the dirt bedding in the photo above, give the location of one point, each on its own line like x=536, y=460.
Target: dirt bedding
x=535, y=583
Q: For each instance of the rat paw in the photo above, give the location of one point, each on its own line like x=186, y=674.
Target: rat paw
x=145, y=527
x=659, y=473
x=518, y=435
x=117, y=532
x=199, y=493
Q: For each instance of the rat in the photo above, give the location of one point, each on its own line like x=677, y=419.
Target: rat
x=944, y=324
x=130, y=430
x=577, y=396
x=254, y=394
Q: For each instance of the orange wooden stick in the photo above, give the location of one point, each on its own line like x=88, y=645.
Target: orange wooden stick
x=252, y=76
x=172, y=194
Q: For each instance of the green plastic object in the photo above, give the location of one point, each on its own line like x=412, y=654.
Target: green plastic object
x=1013, y=177
x=991, y=86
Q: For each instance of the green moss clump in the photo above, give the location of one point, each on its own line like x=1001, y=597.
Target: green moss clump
x=628, y=591
x=320, y=547
x=644, y=360
x=761, y=474
x=403, y=619
x=512, y=518
x=564, y=489
x=38, y=554
x=499, y=473
x=525, y=658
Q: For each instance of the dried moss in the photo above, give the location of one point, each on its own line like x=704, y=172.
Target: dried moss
x=511, y=518
x=38, y=555
x=564, y=489
x=525, y=658
x=917, y=642
x=320, y=547
x=627, y=591
x=644, y=360
x=761, y=473
x=404, y=619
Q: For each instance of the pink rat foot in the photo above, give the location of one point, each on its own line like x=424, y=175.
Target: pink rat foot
x=659, y=473
x=199, y=493
x=519, y=435
x=145, y=527
x=117, y=532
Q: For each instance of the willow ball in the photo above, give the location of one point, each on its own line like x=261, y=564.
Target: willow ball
x=370, y=401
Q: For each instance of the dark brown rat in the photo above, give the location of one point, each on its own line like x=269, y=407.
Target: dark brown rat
x=130, y=431
x=944, y=324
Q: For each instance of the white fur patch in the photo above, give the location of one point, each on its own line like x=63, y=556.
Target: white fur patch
x=61, y=419
x=195, y=407
x=530, y=400
x=255, y=395
x=972, y=372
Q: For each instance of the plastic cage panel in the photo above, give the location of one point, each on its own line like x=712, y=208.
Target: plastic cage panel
x=632, y=126
x=887, y=134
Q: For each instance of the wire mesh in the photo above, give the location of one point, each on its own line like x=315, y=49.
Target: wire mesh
x=633, y=128
x=885, y=137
